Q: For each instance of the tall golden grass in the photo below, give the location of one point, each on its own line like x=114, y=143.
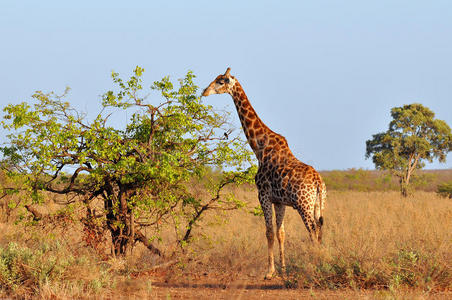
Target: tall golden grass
x=372, y=240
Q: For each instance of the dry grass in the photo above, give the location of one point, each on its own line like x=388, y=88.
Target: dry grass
x=374, y=242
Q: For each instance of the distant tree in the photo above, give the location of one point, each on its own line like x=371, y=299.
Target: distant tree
x=414, y=136
x=140, y=171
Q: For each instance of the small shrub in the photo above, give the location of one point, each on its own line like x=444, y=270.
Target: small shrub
x=445, y=189
x=27, y=268
x=25, y=271
x=404, y=266
x=257, y=211
x=405, y=269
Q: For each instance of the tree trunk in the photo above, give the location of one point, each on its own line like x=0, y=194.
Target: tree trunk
x=404, y=185
x=120, y=239
x=405, y=178
x=403, y=188
x=121, y=233
x=118, y=223
x=121, y=224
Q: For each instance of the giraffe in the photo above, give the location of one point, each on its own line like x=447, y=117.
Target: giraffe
x=282, y=180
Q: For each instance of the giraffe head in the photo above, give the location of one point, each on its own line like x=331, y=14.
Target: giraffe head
x=222, y=84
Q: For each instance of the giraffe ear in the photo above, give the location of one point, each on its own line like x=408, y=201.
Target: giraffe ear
x=227, y=72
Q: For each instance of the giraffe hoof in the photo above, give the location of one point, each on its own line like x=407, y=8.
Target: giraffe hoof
x=269, y=275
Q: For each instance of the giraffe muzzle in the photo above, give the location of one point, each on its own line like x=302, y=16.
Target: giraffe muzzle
x=207, y=91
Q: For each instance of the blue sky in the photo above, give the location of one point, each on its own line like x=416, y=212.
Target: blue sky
x=324, y=74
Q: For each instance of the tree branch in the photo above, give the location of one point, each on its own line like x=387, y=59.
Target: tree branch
x=139, y=236
x=69, y=188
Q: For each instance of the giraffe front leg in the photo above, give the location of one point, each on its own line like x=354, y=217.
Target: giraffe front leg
x=268, y=215
x=280, y=233
x=271, y=257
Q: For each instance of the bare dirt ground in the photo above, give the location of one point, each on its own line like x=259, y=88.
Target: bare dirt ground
x=249, y=287
x=242, y=290
x=271, y=289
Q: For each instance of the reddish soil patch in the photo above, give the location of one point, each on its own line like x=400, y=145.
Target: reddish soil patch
x=253, y=288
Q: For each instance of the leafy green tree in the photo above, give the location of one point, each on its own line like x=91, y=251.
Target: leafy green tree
x=132, y=176
x=414, y=136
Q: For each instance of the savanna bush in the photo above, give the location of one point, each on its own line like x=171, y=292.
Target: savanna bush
x=445, y=189
x=402, y=269
x=26, y=270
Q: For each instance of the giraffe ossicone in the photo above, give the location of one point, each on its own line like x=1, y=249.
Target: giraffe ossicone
x=282, y=180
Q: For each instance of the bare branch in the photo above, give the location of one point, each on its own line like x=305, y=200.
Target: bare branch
x=68, y=188
x=139, y=236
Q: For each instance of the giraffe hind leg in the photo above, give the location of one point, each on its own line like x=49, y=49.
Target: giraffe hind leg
x=319, y=229
x=320, y=205
x=318, y=221
x=309, y=222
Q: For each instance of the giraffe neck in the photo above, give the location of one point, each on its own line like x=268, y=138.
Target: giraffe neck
x=256, y=132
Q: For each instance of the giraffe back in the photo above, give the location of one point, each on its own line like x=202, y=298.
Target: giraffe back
x=288, y=180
